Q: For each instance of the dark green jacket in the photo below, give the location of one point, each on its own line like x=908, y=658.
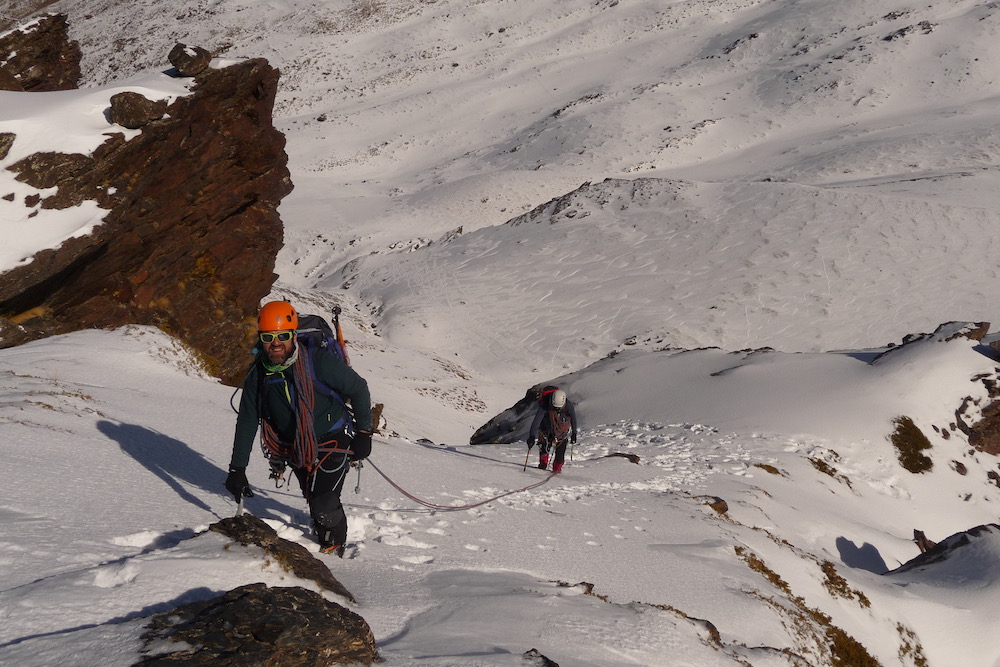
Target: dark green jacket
x=275, y=403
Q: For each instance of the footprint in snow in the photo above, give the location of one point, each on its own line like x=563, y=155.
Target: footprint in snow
x=403, y=541
x=417, y=560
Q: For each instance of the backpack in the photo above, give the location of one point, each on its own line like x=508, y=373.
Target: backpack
x=317, y=334
x=558, y=421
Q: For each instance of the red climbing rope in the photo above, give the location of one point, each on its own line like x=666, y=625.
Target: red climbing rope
x=454, y=507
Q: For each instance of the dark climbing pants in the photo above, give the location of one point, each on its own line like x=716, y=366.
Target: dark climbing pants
x=322, y=491
x=545, y=446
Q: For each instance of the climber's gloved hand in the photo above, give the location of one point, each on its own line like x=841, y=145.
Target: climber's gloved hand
x=361, y=446
x=237, y=484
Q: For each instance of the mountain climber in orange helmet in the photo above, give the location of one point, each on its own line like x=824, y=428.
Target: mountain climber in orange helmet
x=297, y=395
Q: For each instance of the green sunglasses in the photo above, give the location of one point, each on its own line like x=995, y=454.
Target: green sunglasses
x=282, y=336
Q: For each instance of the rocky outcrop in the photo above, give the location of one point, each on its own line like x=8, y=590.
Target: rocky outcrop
x=192, y=230
x=39, y=56
x=257, y=625
x=512, y=424
x=974, y=331
x=260, y=625
x=933, y=553
x=295, y=558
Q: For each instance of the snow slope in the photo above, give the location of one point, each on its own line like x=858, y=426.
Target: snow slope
x=817, y=178
x=102, y=528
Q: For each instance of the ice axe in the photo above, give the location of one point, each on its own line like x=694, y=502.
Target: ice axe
x=247, y=493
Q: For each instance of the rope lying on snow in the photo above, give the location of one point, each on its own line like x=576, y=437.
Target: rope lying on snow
x=454, y=507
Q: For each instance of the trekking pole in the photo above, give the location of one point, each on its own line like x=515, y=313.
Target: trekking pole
x=526, y=460
x=239, y=506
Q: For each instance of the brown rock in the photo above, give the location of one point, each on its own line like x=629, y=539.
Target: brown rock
x=974, y=331
x=39, y=56
x=6, y=141
x=192, y=206
x=295, y=558
x=9, y=82
x=984, y=432
x=257, y=625
x=920, y=539
x=984, y=435
x=189, y=60
x=133, y=110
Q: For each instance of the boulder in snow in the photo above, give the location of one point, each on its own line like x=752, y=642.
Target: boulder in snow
x=257, y=625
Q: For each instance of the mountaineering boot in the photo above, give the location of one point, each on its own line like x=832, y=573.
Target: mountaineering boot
x=337, y=549
x=325, y=538
x=556, y=468
x=543, y=461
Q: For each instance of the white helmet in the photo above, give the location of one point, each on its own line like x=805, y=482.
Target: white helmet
x=558, y=398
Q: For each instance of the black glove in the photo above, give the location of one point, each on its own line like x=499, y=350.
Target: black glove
x=237, y=484
x=277, y=470
x=572, y=438
x=531, y=442
x=361, y=446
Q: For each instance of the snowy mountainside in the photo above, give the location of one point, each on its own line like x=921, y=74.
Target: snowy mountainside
x=682, y=265
x=429, y=116
x=409, y=121
x=811, y=521
x=800, y=174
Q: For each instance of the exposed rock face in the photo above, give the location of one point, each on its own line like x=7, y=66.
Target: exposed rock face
x=294, y=557
x=938, y=552
x=977, y=419
x=39, y=57
x=257, y=625
x=192, y=230
x=512, y=424
x=974, y=331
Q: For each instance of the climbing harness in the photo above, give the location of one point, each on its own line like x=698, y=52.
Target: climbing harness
x=456, y=507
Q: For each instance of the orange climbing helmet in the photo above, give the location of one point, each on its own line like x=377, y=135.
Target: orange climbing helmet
x=277, y=316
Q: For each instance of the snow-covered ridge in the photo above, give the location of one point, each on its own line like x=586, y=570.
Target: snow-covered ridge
x=723, y=502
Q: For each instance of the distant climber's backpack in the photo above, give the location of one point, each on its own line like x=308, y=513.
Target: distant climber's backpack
x=556, y=422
